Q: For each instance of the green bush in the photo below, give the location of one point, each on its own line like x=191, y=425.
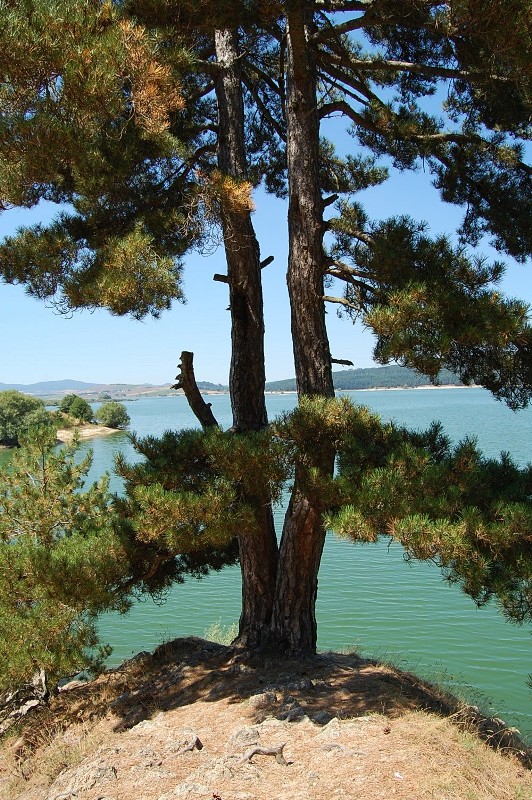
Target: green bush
x=66, y=402
x=113, y=414
x=18, y=412
x=80, y=409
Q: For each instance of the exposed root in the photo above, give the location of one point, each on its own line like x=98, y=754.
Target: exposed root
x=266, y=751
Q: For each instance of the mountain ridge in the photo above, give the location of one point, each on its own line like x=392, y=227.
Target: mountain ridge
x=348, y=379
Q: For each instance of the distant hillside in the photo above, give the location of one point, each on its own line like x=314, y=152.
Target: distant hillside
x=372, y=378
x=49, y=387
x=56, y=389
x=206, y=386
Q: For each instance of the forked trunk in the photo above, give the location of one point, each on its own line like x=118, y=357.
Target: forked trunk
x=258, y=551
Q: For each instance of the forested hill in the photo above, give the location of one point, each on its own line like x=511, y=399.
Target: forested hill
x=370, y=378
x=373, y=378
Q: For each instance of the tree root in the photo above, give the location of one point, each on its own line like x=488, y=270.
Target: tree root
x=266, y=751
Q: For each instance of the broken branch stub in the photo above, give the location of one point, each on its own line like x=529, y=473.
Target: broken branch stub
x=186, y=380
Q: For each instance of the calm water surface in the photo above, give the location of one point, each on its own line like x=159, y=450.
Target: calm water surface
x=369, y=597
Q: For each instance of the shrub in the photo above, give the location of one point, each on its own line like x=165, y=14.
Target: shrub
x=113, y=414
x=17, y=413
x=66, y=402
x=80, y=409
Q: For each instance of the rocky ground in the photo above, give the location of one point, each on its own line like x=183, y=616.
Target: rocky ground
x=195, y=721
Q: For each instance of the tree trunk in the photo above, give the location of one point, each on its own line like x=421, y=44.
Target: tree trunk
x=305, y=213
x=258, y=552
x=294, y=622
x=294, y=628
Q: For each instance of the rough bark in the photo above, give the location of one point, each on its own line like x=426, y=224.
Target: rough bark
x=294, y=623
x=258, y=552
x=247, y=374
x=186, y=380
x=294, y=628
x=305, y=213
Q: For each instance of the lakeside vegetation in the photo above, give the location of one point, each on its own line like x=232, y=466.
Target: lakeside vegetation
x=21, y=413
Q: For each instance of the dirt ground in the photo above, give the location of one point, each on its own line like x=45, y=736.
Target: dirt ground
x=196, y=721
x=84, y=432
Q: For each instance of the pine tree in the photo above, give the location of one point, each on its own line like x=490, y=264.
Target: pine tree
x=260, y=82
x=62, y=562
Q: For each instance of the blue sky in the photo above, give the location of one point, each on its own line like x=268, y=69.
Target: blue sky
x=37, y=344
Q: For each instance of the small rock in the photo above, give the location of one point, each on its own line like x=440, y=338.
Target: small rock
x=188, y=789
x=262, y=700
x=67, y=687
x=70, y=783
x=120, y=699
x=286, y=677
x=300, y=685
x=244, y=736
x=321, y=717
x=330, y=731
x=240, y=669
x=138, y=659
x=293, y=714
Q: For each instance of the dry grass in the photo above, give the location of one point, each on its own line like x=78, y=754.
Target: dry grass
x=353, y=728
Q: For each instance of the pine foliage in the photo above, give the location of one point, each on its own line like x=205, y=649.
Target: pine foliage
x=111, y=108
x=61, y=562
x=197, y=490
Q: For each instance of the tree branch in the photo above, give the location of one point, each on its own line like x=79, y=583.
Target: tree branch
x=335, y=71
x=344, y=361
x=328, y=201
x=343, y=107
x=336, y=84
x=265, y=78
x=261, y=105
x=339, y=30
x=341, y=270
x=203, y=92
x=344, y=5
x=424, y=69
x=211, y=67
x=340, y=301
x=186, y=380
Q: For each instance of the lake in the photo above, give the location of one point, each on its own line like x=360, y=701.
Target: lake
x=369, y=598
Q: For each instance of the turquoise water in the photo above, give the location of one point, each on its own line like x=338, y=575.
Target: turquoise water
x=368, y=596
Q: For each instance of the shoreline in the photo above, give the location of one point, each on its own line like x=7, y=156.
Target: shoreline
x=84, y=432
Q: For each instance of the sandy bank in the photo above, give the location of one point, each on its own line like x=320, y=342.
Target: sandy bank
x=84, y=432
